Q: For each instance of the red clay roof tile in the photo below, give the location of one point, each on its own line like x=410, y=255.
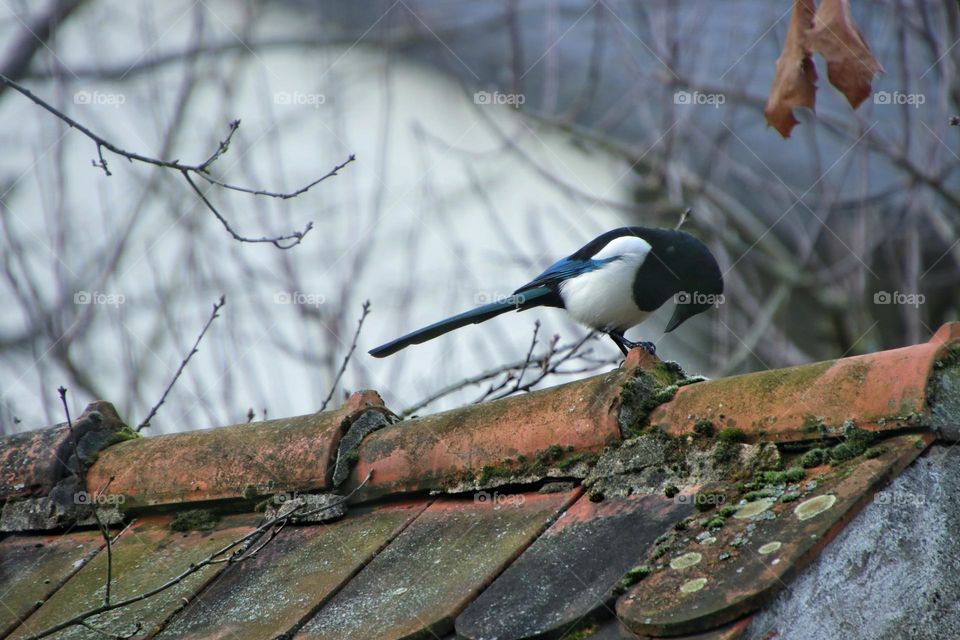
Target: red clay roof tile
x=432, y=452
x=878, y=391
x=233, y=462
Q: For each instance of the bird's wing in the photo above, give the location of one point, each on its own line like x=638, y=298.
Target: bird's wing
x=561, y=270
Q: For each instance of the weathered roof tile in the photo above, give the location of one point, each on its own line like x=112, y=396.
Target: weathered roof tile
x=569, y=574
x=233, y=462
x=425, y=577
x=146, y=556
x=282, y=585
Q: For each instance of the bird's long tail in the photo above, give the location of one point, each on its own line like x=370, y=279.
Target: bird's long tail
x=519, y=302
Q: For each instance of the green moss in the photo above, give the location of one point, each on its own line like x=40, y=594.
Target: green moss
x=194, y=520
x=814, y=458
x=790, y=497
x=712, y=523
x=595, y=495
x=703, y=428
x=681, y=525
x=641, y=394
x=841, y=453
x=874, y=452
x=660, y=551
x=750, y=496
x=732, y=434
x=727, y=511
x=793, y=474
x=631, y=578
x=577, y=458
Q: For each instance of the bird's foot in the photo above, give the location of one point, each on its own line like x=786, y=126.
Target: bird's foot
x=625, y=345
x=649, y=347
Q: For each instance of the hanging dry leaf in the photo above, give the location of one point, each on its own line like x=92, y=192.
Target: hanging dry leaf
x=795, y=79
x=850, y=63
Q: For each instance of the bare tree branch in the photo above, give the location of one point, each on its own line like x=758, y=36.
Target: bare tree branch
x=183, y=364
x=346, y=359
x=201, y=169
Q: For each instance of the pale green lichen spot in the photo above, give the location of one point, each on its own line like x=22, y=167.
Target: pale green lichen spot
x=690, y=586
x=770, y=547
x=814, y=506
x=753, y=508
x=686, y=560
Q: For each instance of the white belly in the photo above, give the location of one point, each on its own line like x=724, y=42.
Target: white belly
x=603, y=299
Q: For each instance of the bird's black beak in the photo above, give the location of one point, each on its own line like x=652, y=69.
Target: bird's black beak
x=682, y=312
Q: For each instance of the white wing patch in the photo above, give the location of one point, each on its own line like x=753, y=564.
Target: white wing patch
x=622, y=245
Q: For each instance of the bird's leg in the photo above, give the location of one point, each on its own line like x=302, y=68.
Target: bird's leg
x=625, y=345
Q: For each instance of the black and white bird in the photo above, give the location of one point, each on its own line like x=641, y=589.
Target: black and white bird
x=610, y=284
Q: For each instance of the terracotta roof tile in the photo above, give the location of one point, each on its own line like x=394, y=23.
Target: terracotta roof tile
x=618, y=494
x=446, y=449
x=878, y=391
x=238, y=461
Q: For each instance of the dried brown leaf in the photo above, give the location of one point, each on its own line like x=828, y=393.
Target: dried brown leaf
x=795, y=79
x=850, y=63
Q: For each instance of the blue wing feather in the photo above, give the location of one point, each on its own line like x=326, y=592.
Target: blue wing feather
x=563, y=270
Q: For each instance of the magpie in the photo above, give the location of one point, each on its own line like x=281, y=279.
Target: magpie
x=610, y=284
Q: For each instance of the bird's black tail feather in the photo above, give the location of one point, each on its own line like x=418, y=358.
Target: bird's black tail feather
x=519, y=302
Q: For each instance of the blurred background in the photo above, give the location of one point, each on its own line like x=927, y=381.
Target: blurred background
x=490, y=139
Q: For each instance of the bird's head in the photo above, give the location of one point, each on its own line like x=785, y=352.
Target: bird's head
x=696, y=276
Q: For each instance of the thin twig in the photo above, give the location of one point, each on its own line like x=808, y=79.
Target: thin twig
x=346, y=359
x=202, y=169
x=683, y=217
x=566, y=353
x=238, y=552
x=183, y=364
x=533, y=343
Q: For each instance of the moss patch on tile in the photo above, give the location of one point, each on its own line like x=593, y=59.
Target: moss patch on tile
x=194, y=520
